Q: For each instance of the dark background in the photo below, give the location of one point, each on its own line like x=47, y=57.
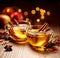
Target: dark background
x=51, y=5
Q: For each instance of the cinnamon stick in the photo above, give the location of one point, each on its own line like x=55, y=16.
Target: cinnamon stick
x=43, y=26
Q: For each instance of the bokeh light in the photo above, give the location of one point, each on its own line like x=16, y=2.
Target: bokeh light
x=42, y=11
x=33, y=11
x=25, y=13
x=48, y=12
x=27, y=19
x=19, y=10
x=8, y=10
x=42, y=17
x=37, y=8
x=38, y=20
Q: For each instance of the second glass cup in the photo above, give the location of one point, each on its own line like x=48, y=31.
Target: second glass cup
x=37, y=39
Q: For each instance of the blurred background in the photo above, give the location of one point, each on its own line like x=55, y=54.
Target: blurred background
x=36, y=12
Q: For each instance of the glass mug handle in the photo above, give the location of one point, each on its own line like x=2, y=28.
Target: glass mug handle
x=6, y=27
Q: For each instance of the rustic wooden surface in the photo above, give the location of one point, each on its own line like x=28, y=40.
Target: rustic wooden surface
x=24, y=51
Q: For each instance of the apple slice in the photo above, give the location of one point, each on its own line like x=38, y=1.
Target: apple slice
x=18, y=33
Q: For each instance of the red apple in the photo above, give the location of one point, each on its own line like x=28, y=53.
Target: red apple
x=8, y=10
x=16, y=15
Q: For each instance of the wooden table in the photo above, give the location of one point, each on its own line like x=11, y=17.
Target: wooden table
x=24, y=51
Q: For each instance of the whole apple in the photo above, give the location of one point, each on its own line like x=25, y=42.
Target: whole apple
x=4, y=19
x=16, y=15
x=8, y=11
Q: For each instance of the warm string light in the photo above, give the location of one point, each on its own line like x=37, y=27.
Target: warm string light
x=42, y=13
x=37, y=8
x=25, y=13
x=19, y=10
x=42, y=17
x=8, y=10
x=38, y=20
x=48, y=13
x=33, y=12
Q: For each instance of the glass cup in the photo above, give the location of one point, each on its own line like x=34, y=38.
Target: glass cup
x=18, y=32
x=37, y=39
